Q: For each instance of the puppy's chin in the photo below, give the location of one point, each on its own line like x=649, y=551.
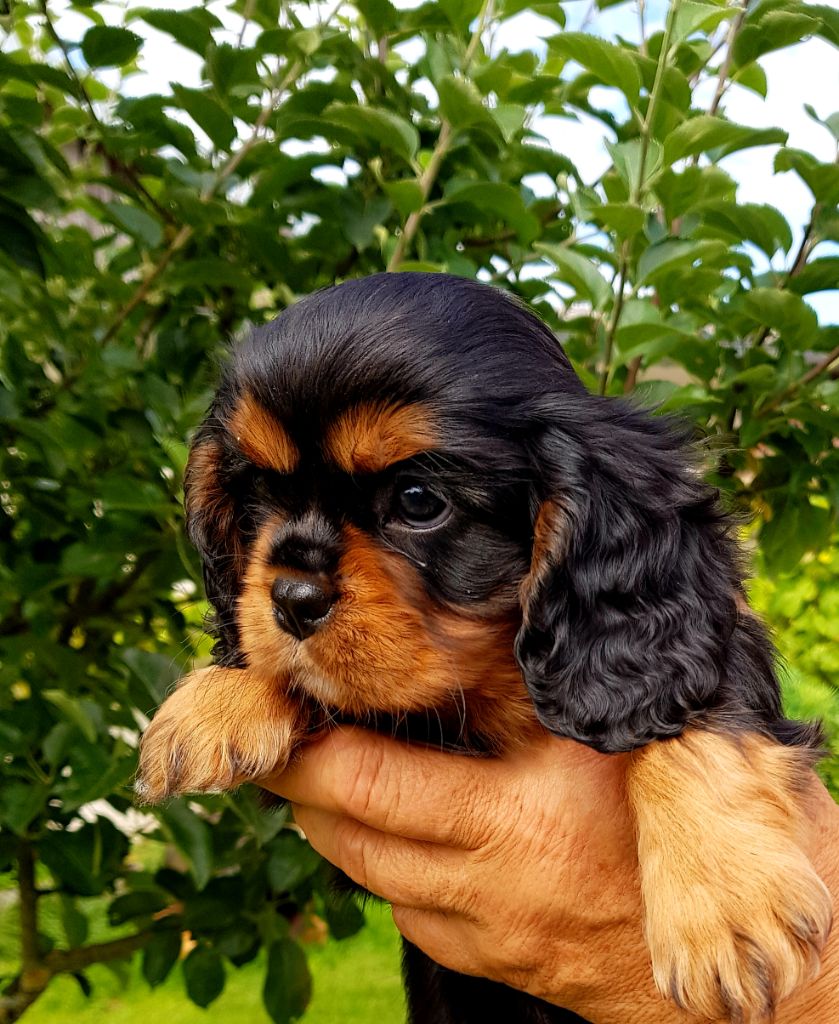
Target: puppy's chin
x=315, y=684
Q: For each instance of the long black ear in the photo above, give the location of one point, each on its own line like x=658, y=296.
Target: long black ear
x=212, y=526
x=634, y=618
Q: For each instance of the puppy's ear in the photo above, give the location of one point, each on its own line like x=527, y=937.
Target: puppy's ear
x=631, y=621
x=211, y=523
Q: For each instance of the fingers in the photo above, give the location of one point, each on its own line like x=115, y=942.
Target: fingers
x=404, y=871
x=394, y=788
x=447, y=940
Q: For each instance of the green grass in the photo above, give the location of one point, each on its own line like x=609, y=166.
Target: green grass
x=356, y=981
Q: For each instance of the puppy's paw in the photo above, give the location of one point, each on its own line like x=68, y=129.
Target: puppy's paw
x=221, y=727
x=735, y=915
x=734, y=954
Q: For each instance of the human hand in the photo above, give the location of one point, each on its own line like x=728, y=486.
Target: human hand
x=521, y=869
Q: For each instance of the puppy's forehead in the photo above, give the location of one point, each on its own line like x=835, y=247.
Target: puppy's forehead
x=366, y=437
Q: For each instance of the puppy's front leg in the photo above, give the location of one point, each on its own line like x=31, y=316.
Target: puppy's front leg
x=735, y=915
x=220, y=727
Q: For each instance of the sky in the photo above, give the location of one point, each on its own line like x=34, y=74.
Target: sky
x=806, y=73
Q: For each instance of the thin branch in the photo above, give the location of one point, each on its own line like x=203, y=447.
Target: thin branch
x=438, y=154
x=126, y=169
x=614, y=319
x=69, y=961
x=815, y=371
x=642, y=46
x=187, y=231
x=637, y=191
x=247, y=14
x=632, y=376
x=725, y=67
x=28, y=897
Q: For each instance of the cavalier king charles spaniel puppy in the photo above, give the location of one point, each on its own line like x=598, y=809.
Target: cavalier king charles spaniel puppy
x=413, y=515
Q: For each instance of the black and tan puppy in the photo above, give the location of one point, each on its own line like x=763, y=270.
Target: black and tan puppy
x=411, y=511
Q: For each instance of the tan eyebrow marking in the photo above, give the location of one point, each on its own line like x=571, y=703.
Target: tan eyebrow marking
x=372, y=436
x=261, y=437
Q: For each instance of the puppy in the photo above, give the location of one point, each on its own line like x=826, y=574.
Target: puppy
x=411, y=511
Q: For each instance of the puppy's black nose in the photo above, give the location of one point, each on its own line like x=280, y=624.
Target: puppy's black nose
x=301, y=605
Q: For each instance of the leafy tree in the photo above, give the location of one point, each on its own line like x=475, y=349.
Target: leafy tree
x=140, y=230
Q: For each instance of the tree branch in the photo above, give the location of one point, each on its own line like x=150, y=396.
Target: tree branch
x=803, y=381
x=438, y=155
x=124, y=168
x=187, y=231
x=637, y=191
x=725, y=67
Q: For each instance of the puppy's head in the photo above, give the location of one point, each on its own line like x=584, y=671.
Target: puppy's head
x=401, y=481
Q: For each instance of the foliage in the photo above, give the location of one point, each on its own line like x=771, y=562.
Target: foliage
x=139, y=229
x=803, y=607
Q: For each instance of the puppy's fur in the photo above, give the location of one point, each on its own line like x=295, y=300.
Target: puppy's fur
x=496, y=550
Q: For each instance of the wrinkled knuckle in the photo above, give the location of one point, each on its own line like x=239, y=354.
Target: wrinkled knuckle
x=352, y=852
x=363, y=781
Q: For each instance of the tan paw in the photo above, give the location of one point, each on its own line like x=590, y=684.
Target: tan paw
x=735, y=956
x=221, y=727
x=735, y=915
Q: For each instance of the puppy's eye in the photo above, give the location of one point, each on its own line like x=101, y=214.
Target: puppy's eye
x=418, y=505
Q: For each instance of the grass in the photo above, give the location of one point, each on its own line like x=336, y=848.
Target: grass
x=355, y=982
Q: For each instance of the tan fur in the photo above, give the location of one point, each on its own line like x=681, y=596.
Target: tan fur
x=735, y=914
x=262, y=438
x=372, y=436
x=219, y=728
x=387, y=648
x=551, y=532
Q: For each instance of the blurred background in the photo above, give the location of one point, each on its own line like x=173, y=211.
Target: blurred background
x=658, y=180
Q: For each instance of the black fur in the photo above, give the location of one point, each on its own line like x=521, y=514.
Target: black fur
x=631, y=634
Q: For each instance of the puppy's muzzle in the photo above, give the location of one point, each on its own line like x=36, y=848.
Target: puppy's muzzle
x=302, y=604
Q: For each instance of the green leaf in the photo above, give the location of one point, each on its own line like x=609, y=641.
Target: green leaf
x=160, y=956
x=290, y=861
x=288, y=984
x=831, y=122
x=665, y=256
x=770, y=31
x=232, y=70
x=691, y=17
x=626, y=219
x=500, y=201
x=73, y=921
x=579, y=272
x=204, y=976
x=343, y=916
x=788, y=314
x=192, y=837
x=107, y=46
x=750, y=222
x=157, y=672
x=85, y=861
x=131, y=905
x=705, y=132
x=406, y=196
x=192, y=28
x=820, y=275
x=627, y=160
x=822, y=179
x=462, y=105
x=381, y=126
x=20, y=803
x=208, y=114
x=136, y=222
x=552, y=11
x=610, y=63
x=74, y=711
x=752, y=77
